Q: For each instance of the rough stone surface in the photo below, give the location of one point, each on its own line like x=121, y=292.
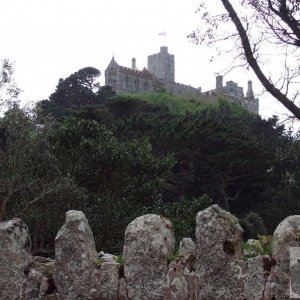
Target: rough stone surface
x=149, y=241
x=187, y=247
x=107, y=281
x=122, y=290
x=39, y=280
x=75, y=258
x=14, y=258
x=181, y=279
x=260, y=279
x=106, y=257
x=36, y=286
x=286, y=235
x=218, y=255
x=214, y=271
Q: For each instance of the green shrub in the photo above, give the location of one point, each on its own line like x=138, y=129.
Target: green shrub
x=262, y=246
x=182, y=213
x=253, y=225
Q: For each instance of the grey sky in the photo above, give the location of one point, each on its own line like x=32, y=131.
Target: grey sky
x=49, y=39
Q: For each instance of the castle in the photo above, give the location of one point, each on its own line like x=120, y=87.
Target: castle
x=160, y=74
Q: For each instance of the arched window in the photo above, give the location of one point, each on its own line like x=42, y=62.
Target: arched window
x=126, y=82
x=146, y=85
x=136, y=84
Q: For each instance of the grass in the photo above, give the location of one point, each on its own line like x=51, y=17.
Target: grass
x=179, y=105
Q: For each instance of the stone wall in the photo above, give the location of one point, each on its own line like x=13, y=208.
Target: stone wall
x=182, y=89
x=211, y=268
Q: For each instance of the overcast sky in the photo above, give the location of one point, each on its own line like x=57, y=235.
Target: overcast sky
x=50, y=39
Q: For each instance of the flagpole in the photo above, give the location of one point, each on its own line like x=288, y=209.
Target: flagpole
x=164, y=36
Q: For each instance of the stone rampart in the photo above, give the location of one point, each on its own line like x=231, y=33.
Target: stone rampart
x=211, y=268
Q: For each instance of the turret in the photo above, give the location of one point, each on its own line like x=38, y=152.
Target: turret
x=133, y=63
x=250, y=93
x=219, y=83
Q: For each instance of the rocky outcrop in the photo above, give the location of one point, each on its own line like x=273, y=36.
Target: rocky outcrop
x=286, y=235
x=218, y=255
x=14, y=258
x=149, y=242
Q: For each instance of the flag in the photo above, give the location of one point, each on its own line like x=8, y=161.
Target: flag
x=162, y=34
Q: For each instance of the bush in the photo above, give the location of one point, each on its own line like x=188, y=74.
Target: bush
x=253, y=225
x=182, y=213
x=262, y=246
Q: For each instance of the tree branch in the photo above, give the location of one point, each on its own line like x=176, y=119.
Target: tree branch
x=294, y=109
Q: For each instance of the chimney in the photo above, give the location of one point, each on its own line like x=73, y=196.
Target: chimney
x=133, y=64
x=219, y=83
x=250, y=93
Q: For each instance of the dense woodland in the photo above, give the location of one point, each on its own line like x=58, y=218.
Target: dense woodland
x=116, y=157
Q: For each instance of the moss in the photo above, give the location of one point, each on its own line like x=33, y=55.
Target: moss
x=98, y=261
x=120, y=260
x=175, y=256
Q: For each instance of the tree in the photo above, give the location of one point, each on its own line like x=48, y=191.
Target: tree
x=223, y=151
x=261, y=27
x=120, y=178
x=8, y=89
x=79, y=89
x=31, y=184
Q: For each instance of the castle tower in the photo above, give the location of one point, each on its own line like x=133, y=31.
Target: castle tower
x=162, y=64
x=219, y=84
x=250, y=93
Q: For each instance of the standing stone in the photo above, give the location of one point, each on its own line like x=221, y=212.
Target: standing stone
x=75, y=258
x=286, y=235
x=14, y=258
x=149, y=242
x=218, y=255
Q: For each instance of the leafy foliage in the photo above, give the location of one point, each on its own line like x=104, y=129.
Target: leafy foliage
x=118, y=157
x=178, y=105
x=182, y=213
x=80, y=89
x=120, y=177
x=262, y=246
x=253, y=225
x=8, y=89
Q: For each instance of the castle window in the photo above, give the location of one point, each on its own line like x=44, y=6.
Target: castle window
x=146, y=85
x=126, y=82
x=136, y=84
x=110, y=81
